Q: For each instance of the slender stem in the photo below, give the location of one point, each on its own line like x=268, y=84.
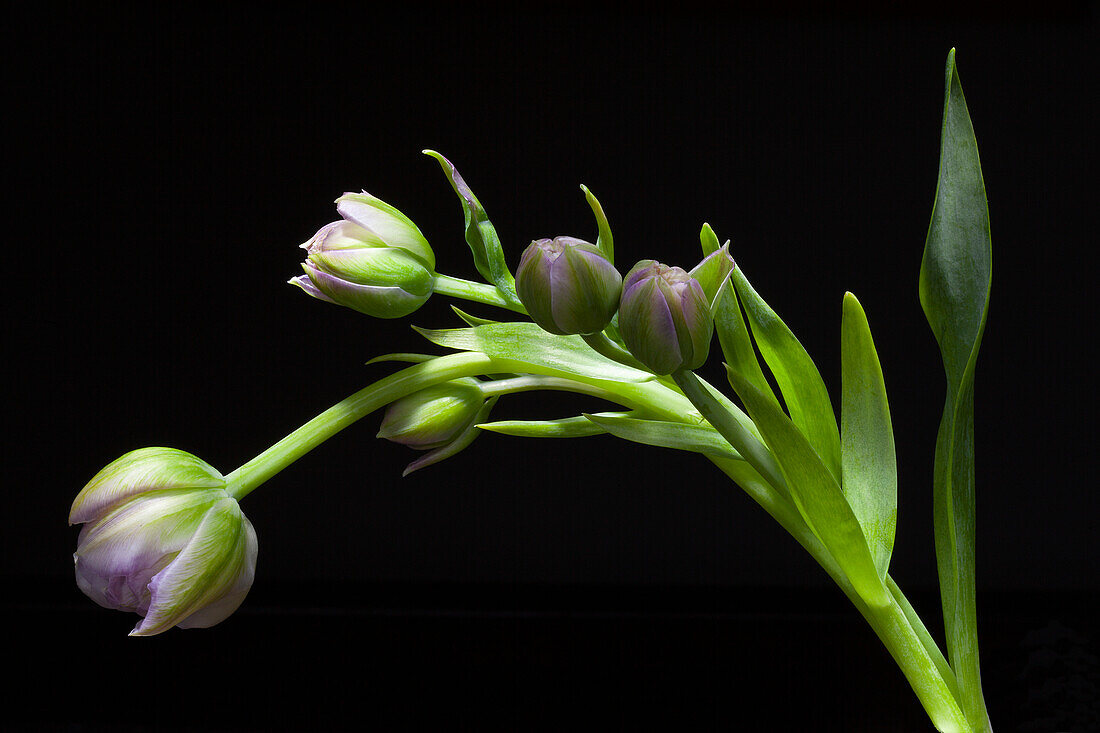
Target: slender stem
x=478, y=292
x=273, y=460
x=733, y=430
x=603, y=345
x=927, y=674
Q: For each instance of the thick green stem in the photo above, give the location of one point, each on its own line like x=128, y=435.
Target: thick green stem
x=478, y=292
x=273, y=460
x=909, y=645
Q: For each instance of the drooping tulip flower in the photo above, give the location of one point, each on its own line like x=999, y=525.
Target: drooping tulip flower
x=374, y=260
x=665, y=318
x=162, y=538
x=568, y=286
x=433, y=416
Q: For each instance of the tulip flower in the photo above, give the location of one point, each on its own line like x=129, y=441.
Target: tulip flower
x=665, y=318
x=434, y=416
x=374, y=260
x=162, y=538
x=568, y=286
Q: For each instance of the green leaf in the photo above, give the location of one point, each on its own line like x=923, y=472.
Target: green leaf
x=480, y=234
x=402, y=357
x=708, y=240
x=470, y=319
x=799, y=381
x=733, y=337
x=815, y=492
x=604, y=240
x=527, y=343
x=567, y=427
x=955, y=280
x=870, y=478
x=697, y=438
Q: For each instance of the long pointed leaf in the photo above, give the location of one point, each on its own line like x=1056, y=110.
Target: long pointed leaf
x=696, y=438
x=955, y=282
x=480, y=234
x=816, y=494
x=799, y=381
x=870, y=479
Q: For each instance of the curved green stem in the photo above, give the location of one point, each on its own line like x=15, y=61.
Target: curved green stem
x=475, y=291
x=245, y=479
x=910, y=645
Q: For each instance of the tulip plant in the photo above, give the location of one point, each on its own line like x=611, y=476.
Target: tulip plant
x=164, y=535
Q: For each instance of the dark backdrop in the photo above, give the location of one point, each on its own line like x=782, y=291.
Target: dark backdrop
x=165, y=168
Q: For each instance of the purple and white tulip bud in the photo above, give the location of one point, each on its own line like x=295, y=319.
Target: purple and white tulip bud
x=374, y=260
x=665, y=318
x=568, y=286
x=162, y=538
x=434, y=416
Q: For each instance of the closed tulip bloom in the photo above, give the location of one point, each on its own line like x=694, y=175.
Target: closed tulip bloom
x=162, y=538
x=568, y=286
x=434, y=416
x=374, y=260
x=664, y=317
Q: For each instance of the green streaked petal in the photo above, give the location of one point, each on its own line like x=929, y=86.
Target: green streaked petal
x=139, y=471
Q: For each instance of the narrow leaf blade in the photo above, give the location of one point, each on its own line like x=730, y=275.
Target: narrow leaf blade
x=527, y=343
x=954, y=287
x=798, y=378
x=815, y=492
x=480, y=234
x=696, y=438
x=869, y=462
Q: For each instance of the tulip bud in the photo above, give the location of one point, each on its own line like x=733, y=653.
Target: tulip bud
x=568, y=286
x=433, y=416
x=163, y=539
x=374, y=260
x=665, y=318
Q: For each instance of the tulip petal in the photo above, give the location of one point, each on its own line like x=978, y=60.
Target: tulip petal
x=373, y=300
x=140, y=471
x=648, y=328
x=303, y=282
x=220, y=610
x=342, y=234
x=213, y=565
x=118, y=555
x=391, y=226
x=376, y=266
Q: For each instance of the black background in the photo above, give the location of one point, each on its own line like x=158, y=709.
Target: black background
x=164, y=168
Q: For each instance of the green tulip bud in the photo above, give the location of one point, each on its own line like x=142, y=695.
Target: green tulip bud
x=434, y=416
x=568, y=286
x=374, y=260
x=162, y=538
x=665, y=318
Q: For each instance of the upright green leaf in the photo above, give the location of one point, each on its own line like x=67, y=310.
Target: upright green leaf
x=955, y=281
x=733, y=334
x=708, y=240
x=480, y=234
x=815, y=492
x=799, y=381
x=604, y=240
x=870, y=474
